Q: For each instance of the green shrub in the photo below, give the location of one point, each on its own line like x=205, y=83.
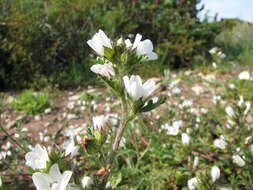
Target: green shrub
x=32, y=103
x=45, y=41
x=237, y=41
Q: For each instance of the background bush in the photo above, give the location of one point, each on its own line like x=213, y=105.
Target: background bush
x=44, y=42
x=237, y=40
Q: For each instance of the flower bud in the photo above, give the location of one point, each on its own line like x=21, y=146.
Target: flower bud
x=186, y=139
x=238, y=160
x=215, y=173
x=87, y=182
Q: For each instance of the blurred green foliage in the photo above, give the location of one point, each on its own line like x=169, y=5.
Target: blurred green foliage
x=44, y=42
x=236, y=40
x=31, y=103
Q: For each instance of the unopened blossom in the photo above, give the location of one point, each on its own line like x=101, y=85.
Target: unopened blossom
x=245, y=75
x=220, y=143
x=142, y=47
x=87, y=182
x=193, y=183
x=99, y=41
x=196, y=161
x=185, y=139
x=103, y=69
x=136, y=89
x=230, y=112
x=238, y=160
x=215, y=173
x=37, y=158
x=99, y=122
x=54, y=180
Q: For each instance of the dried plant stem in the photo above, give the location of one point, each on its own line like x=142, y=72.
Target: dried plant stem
x=12, y=139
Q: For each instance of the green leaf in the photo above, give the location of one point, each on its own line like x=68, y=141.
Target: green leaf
x=150, y=106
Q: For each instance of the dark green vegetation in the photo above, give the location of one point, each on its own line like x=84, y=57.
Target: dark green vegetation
x=44, y=42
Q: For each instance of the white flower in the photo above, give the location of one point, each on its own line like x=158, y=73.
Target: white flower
x=99, y=122
x=220, y=143
x=230, y=111
x=215, y=173
x=196, y=161
x=238, y=160
x=185, y=139
x=70, y=148
x=213, y=50
x=136, y=89
x=120, y=42
x=98, y=42
x=216, y=99
x=231, y=86
x=54, y=180
x=245, y=75
x=103, y=69
x=37, y=158
x=192, y=183
x=142, y=47
x=187, y=103
x=87, y=182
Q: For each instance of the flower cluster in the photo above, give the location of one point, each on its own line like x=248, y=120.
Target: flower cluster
x=114, y=63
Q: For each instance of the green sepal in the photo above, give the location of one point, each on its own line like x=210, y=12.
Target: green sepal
x=150, y=105
x=108, y=53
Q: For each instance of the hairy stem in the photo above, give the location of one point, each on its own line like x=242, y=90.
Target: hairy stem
x=120, y=131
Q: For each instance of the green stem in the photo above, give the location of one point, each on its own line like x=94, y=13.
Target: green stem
x=120, y=131
x=12, y=139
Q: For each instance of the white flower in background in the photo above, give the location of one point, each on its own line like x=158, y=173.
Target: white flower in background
x=185, y=139
x=103, y=69
x=99, y=41
x=245, y=75
x=196, y=161
x=37, y=158
x=197, y=89
x=99, y=122
x=213, y=50
x=244, y=104
x=142, y=47
x=176, y=90
x=215, y=173
x=54, y=180
x=216, y=99
x=174, y=129
x=187, y=103
x=71, y=105
x=70, y=148
x=214, y=65
x=136, y=89
x=220, y=143
x=230, y=112
x=108, y=185
x=231, y=86
x=238, y=160
x=192, y=183
x=1, y=183
x=87, y=182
